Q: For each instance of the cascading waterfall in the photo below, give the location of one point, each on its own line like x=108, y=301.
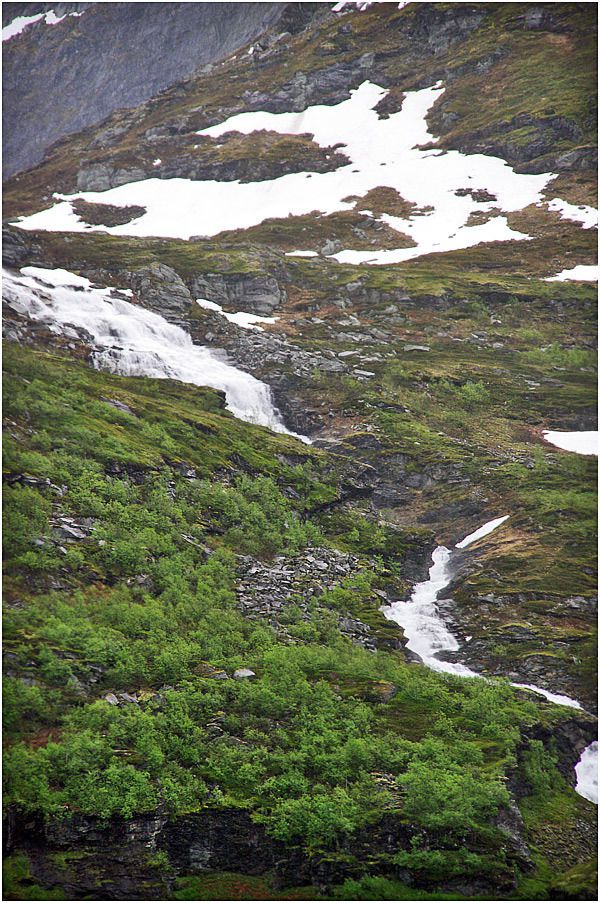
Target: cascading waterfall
x=133, y=341
x=428, y=636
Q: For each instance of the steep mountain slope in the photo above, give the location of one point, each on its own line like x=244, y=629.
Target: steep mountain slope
x=107, y=56
x=379, y=257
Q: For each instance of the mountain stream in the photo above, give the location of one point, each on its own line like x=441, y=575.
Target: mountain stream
x=429, y=637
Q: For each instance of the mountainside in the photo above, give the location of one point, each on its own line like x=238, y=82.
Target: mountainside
x=62, y=77
x=313, y=302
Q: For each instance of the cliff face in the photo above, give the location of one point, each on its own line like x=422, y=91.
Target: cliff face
x=59, y=79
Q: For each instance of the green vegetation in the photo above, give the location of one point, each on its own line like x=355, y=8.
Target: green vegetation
x=327, y=742
x=144, y=603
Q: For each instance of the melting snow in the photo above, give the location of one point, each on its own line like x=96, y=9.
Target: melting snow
x=361, y=5
x=180, y=208
x=587, y=216
x=481, y=532
x=18, y=25
x=582, y=442
x=579, y=273
x=246, y=321
x=133, y=341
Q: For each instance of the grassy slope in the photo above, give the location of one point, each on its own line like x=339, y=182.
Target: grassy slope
x=78, y=626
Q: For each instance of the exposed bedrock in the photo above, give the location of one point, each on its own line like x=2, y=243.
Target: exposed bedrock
x=115, y=55
x=222, y=840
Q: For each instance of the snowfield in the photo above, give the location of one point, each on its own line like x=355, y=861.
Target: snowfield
x=383, y=152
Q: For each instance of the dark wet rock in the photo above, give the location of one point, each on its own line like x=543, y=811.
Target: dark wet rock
x=565, y=739
x=25, y=479
x=480, y=195
x=136, y=474
x=18, y=248
x=214, y=840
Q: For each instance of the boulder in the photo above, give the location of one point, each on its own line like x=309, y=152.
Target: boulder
x=243, y=673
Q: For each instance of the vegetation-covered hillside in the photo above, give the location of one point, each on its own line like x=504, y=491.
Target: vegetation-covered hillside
x=203, y=696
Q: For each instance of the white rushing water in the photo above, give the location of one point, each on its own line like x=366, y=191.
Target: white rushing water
x=428, y=637
x=583, y=442
x=587, y=773
x=133, y=341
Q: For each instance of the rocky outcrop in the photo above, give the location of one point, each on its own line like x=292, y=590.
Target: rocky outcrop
x=268, y=591
x=115, y=55
x=161, y=289
x=263, y=156
x=254, y=294
x=216, y=840
x=18, y=248
x=106, y=214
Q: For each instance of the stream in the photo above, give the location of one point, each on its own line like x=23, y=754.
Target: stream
x=132, y=341
x=429, y=637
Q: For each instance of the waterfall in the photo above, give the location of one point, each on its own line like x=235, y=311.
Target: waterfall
x=428, y=636
x=132, y=341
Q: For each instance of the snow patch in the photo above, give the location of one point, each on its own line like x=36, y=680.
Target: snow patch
x=18, y=25
x=481, y=532
x=587, y=216
x=180, y=208
x=583, y=442
x=246, y=321
x=580, y=273
x=361, y=5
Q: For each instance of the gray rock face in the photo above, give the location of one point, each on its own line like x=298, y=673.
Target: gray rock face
x=161, y=289
x=115, y=55
x=252, y=294
x=203, y=165
x=101, y=177
x=17, y=248
x=266, y=591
